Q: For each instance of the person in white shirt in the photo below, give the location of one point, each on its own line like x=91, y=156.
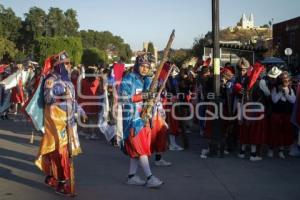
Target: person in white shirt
x=283, y=99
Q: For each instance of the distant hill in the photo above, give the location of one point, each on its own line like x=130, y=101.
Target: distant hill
x=242, y=35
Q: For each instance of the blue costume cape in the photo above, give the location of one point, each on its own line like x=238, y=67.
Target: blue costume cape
x=131, y=85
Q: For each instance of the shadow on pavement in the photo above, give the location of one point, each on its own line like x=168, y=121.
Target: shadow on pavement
x=19, y=165
x=18, y=140
x=17, y=126
x=8, y=175
x=15, y=154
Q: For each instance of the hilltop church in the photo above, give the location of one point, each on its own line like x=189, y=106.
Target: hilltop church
x=247, y=23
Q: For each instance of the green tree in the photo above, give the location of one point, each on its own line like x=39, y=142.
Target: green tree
x=87, y=38
x=55, y=22
x=38, y=24
x=125, y=53
x=9, y=24
x=7, y=50
x=93, y=56
x=200, y=43
x=151, y=48
x=35, y=22
x=266, y=26
x=41, y=34
x=47, y=46
x=180, y=56
x=33, y=26
x=20, y=57
x=71, y=24
x=107, y=42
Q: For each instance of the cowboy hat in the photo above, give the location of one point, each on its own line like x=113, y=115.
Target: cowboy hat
x=274, y=72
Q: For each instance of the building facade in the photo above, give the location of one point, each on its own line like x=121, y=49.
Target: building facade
x=286, y=34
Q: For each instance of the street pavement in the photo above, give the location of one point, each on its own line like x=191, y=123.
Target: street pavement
x=101, y=173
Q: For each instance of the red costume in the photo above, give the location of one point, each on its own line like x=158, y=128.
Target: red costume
x=17, y=95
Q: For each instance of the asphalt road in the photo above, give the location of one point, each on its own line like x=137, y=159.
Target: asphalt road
x=101, y=173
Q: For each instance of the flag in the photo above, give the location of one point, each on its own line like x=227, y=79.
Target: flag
x=118, y=71
x=109, y=131
x=164, y=72
x=207, y=62
x=257, y=70
x=11, y=81
x=34, y=107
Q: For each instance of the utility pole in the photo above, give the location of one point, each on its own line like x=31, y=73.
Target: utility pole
x=216, y=46
x=216, y=146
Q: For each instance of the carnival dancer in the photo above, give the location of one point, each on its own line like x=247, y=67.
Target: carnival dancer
x=203, y=88
x=31, y=67
x=88, y=98
x=159, y=126
x=267, y=83
x=111, y=88
x=4, y=95
x=109, y=117
x=228, y=136
x=137, y=132
x=106, y=120
x=75, y=74
x=159, y=135
x=17, y=95
x=171, y=96
x=251, y=128
x=283, y=99
x=184, y=86
x=239, y=89
x=258, y=96
x=60, y=140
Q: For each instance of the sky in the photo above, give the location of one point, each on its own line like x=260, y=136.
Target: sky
x=137, y=21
